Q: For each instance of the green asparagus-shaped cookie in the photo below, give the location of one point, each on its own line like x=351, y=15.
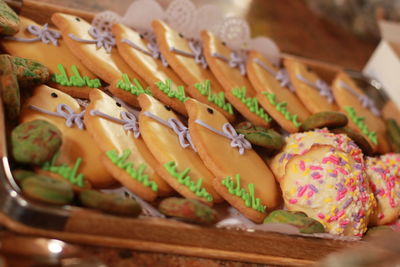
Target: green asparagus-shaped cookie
x=9, y=21
x=305, y=224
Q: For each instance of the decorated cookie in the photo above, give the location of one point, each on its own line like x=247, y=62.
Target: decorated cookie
x=384, y=175
x=275, y=92
x=242, y=177
x=328, y=119
x=46, y=189
x=139, y=54
x=9, y=21
x=45, y=45
x=315, y=93
x=35, y=142
x=9, y=88
x=190, y=210
x=229, y=68
x=299, y=220
x=78, y=158
x=391, y=111
x=95, y=49
x=124, y=153
x=186, y=59
x=300, y=143
x=363, y=115
x=329, y=186
x=169, y=141
x=110, y=203
x=21, y=174
x=393, y=131
x=29, y=72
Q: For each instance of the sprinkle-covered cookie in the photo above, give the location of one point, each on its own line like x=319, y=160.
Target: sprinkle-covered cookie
x=329, y=186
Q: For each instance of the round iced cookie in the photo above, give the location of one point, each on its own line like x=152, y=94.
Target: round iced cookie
x=329, y=186
x=300, y=143
x=9, y=88
x=110, y=203
x=384, y=175
x=29, y=72
x=299, y=220
x=261, y=136
x=46, y=189
x=328, y=119
x=189, y=210
x=35, y=142
x=9, y=21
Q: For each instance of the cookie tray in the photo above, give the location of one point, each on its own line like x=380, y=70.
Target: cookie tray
x=84, y=226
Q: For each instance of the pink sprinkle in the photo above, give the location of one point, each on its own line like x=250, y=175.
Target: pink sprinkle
x=344, y=222
x=342, y=171
x=339, y=197
x=310, y=193
x=302, y=191
x=325, y=160
x=316, y=168
x=353, y=188
x=321, y=216
x=293, y=201
x=316, y=175
x=333, y=218
x=302, y=166
x=340, y=213
x=380, y=216
x=382, y=192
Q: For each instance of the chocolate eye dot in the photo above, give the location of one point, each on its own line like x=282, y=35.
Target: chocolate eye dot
x=141, y=36
x=54, y=95
x=181, y=35
x=78, y=19
x=210, y=110
x=118, y=104
x=167, y=108
x=223, y=43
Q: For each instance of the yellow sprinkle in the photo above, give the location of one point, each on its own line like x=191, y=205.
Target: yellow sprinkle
x=328, y=199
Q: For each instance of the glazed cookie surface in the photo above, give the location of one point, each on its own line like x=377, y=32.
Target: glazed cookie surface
x=192, y=70
x=242, y=177
x=124, y=153
x=384, y=175
x=331, y=187
x=273, y=94
x=55, y=55
x=314, y=93
x=78, y=157
x=170, y=143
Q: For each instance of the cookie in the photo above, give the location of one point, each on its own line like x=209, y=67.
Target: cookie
x=151, y=69
x=314, y=93
x=124, y=153
x=200, y=82
x=384, y=175
x=305, y=224
x=169, y=141
x=331, y=187
x=261, y=136
x=110, y=203
x=48, y=190
x=101, y=57
x=189, y=210
x=9, y=88
x=20, y=174
x=29, y=72
x=300, y=143
x=391, y=111
x=274, y=93
x=328, y=119
x=364, y=116
x=67, y=72
x=393, y=131
x=9, y=21
x=238, y=89
x=78, y=157
x=35, y=142
x=242, y=177
x=359, y=139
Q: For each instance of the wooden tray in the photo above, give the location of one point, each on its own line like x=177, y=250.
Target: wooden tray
x=149, y=234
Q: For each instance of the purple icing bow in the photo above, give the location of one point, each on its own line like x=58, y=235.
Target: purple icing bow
x=281, y=75
x=237, y=140
x=64, y=111
x=101, y=39
x=128, y=120
x=183, y=133
x=320, y=85
x=197, y=50
x=235, y=61
x=43, y=34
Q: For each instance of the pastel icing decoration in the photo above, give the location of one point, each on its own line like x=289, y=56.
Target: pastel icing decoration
x=275, y=92
x=312, y=91
x=331, y=187
x=46, y=45
x=363, y=114
x=301, y=143
x=65, y=113
x=115, y=130
x=170, y=143
x=185, y=66
x=232, y=81
x=96, y=53
x=384, y=175
x=225, y=161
